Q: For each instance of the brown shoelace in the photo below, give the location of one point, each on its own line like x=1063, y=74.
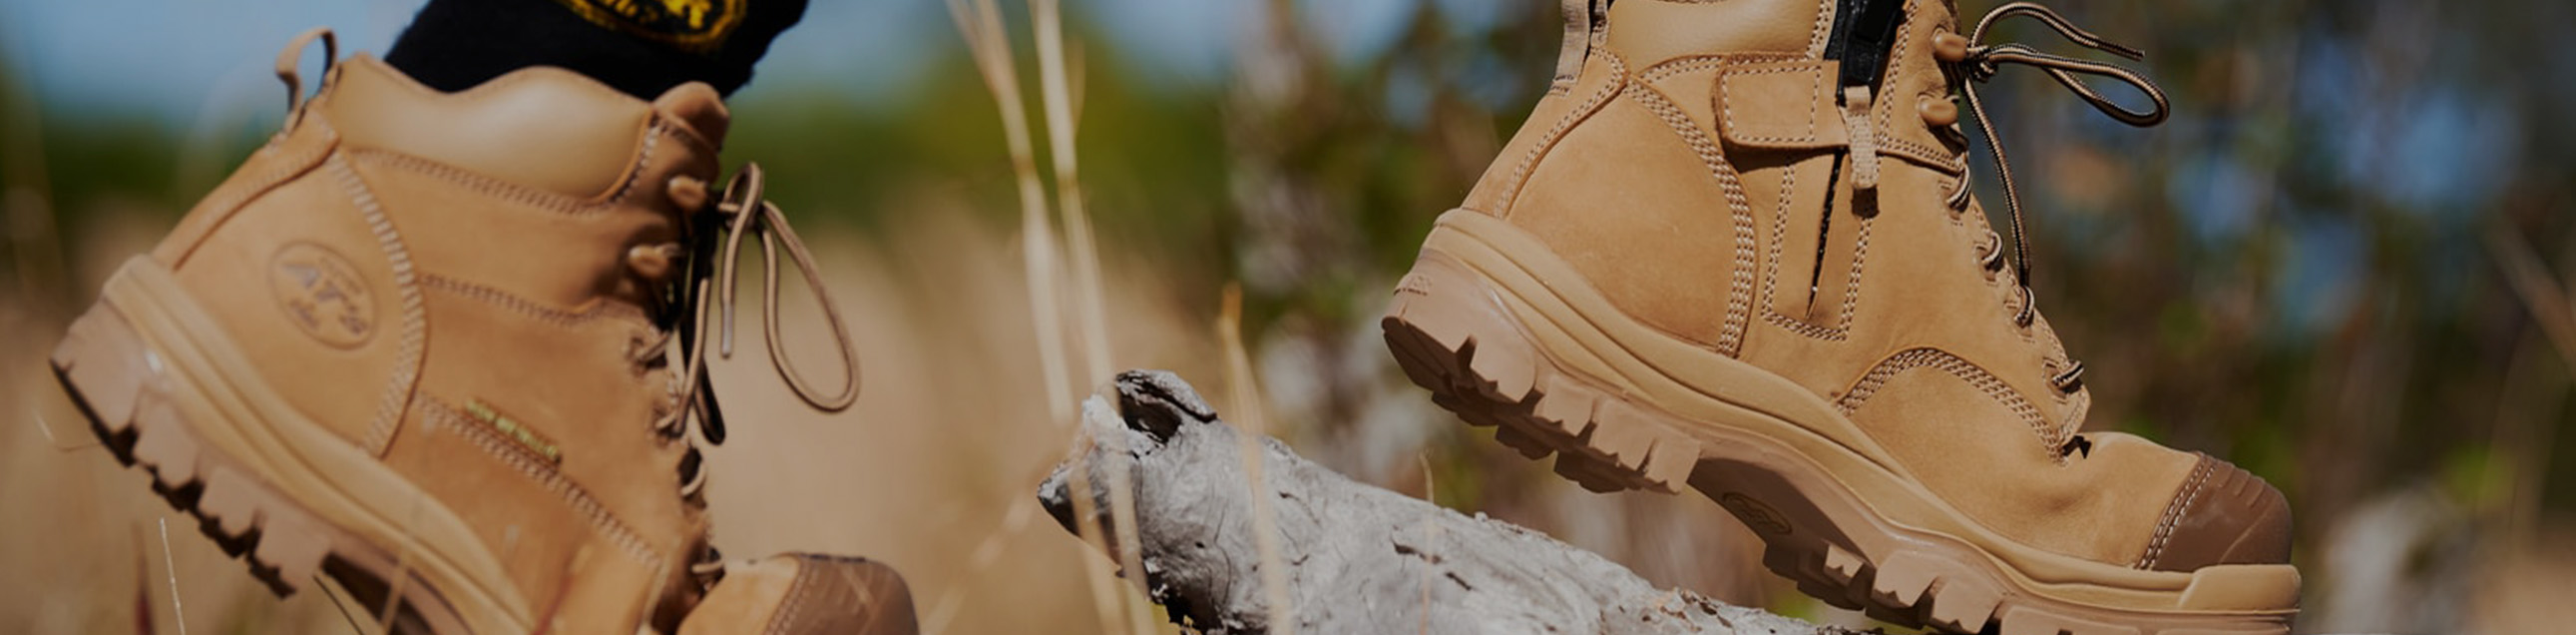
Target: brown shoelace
x=1974, y=64
x=713, y=245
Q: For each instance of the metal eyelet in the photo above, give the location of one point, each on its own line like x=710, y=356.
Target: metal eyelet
x=693, y=473
x=1992, y=257
x=2029, y=308
x=2070, y=380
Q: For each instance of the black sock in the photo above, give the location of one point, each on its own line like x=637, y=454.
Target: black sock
x=635, y=45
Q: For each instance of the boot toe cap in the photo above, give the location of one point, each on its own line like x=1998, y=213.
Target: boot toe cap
x=2221, y=515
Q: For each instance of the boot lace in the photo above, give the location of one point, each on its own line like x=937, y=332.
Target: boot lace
x=709, y=249
x=1970, y=63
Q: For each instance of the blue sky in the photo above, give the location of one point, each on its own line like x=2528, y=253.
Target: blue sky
x=196, y=62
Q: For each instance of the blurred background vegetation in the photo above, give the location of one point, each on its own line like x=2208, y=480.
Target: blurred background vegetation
x=2339, y=264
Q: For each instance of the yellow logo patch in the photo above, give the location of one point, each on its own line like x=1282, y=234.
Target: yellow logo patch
x=511, y=429
x=697, y=25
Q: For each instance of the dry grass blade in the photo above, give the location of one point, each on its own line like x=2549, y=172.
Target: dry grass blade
x=26, y=203
x=342, y=602
x=980, y=23
x=1055, y=92
x=170, y=566
x=2540, y=292
x=1430, y=536
x=1247, y=413
x=46, y=426
x=2526, y=440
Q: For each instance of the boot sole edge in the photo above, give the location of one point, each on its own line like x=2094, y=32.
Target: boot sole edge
x=164, y=402
x=1458, y=331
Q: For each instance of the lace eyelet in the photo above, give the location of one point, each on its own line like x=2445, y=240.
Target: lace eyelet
x=2029, y=313
x=693, y=473
x=2068, y=381
x=654, y=262
x=1938, y=112
x=686, y=192
x=1992, y=256
x=1949, y=47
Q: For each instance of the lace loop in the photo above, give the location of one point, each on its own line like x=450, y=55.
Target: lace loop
x=1983, y=61
x=1977, y=64
x=719, y=233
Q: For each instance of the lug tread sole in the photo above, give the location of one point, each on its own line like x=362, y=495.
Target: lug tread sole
x=131, y=404
x=1467, y=349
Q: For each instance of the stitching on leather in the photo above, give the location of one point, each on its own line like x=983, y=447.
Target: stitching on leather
x=1725, y=90
x=1851, y=295
x=236, y=198
x=1520, y=174
x=512, y=192
x=1816, y=35
x=530, y=308
x=442, y=416
x=796, y=594
x=1937, y=359
x=1771, y=271
x=1739, y=301
x=397, y=395
x=2172, y=518
x=682, y=132
x=1887, y=111
x=1771, y=266
x=643, y=161
x=1681, y=65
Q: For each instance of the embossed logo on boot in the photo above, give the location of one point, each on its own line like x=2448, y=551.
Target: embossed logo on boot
x=322, y=294
x=1754, y=513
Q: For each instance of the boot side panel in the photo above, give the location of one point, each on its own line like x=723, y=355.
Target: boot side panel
x=1557, y=113
x=534, y=426
x=1629, y=201
x=301, y=278
x=293, y=154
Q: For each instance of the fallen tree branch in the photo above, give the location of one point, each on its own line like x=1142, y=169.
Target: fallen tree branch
x=1358, y=559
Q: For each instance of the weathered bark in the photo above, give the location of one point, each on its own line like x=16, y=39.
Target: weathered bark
x=1358, y=559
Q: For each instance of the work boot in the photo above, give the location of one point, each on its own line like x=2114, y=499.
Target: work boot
x=445, y=349
x=805, y=594
x=1734, y=247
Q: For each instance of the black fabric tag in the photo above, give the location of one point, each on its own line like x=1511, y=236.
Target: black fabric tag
x=642, y=47
x=1864, y=33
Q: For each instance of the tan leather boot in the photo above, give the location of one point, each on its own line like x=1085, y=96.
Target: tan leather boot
x=1734, y=248
x=806, y=594
x=424, y=344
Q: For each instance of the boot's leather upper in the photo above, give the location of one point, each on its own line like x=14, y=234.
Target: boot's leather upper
x=1747, y=176
x=806, y=594
x=481, y=288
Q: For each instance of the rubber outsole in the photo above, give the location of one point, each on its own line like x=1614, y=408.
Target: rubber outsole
x=136, y=404
x=1458, y=336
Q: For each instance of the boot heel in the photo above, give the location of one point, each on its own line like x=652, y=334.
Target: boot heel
x=1453, y=335
x=148, y=412
x=130, y=399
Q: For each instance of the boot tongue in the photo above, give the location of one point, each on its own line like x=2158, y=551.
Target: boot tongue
x=697, y=106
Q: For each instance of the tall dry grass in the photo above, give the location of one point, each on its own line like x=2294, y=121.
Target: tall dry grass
x=982, y=25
